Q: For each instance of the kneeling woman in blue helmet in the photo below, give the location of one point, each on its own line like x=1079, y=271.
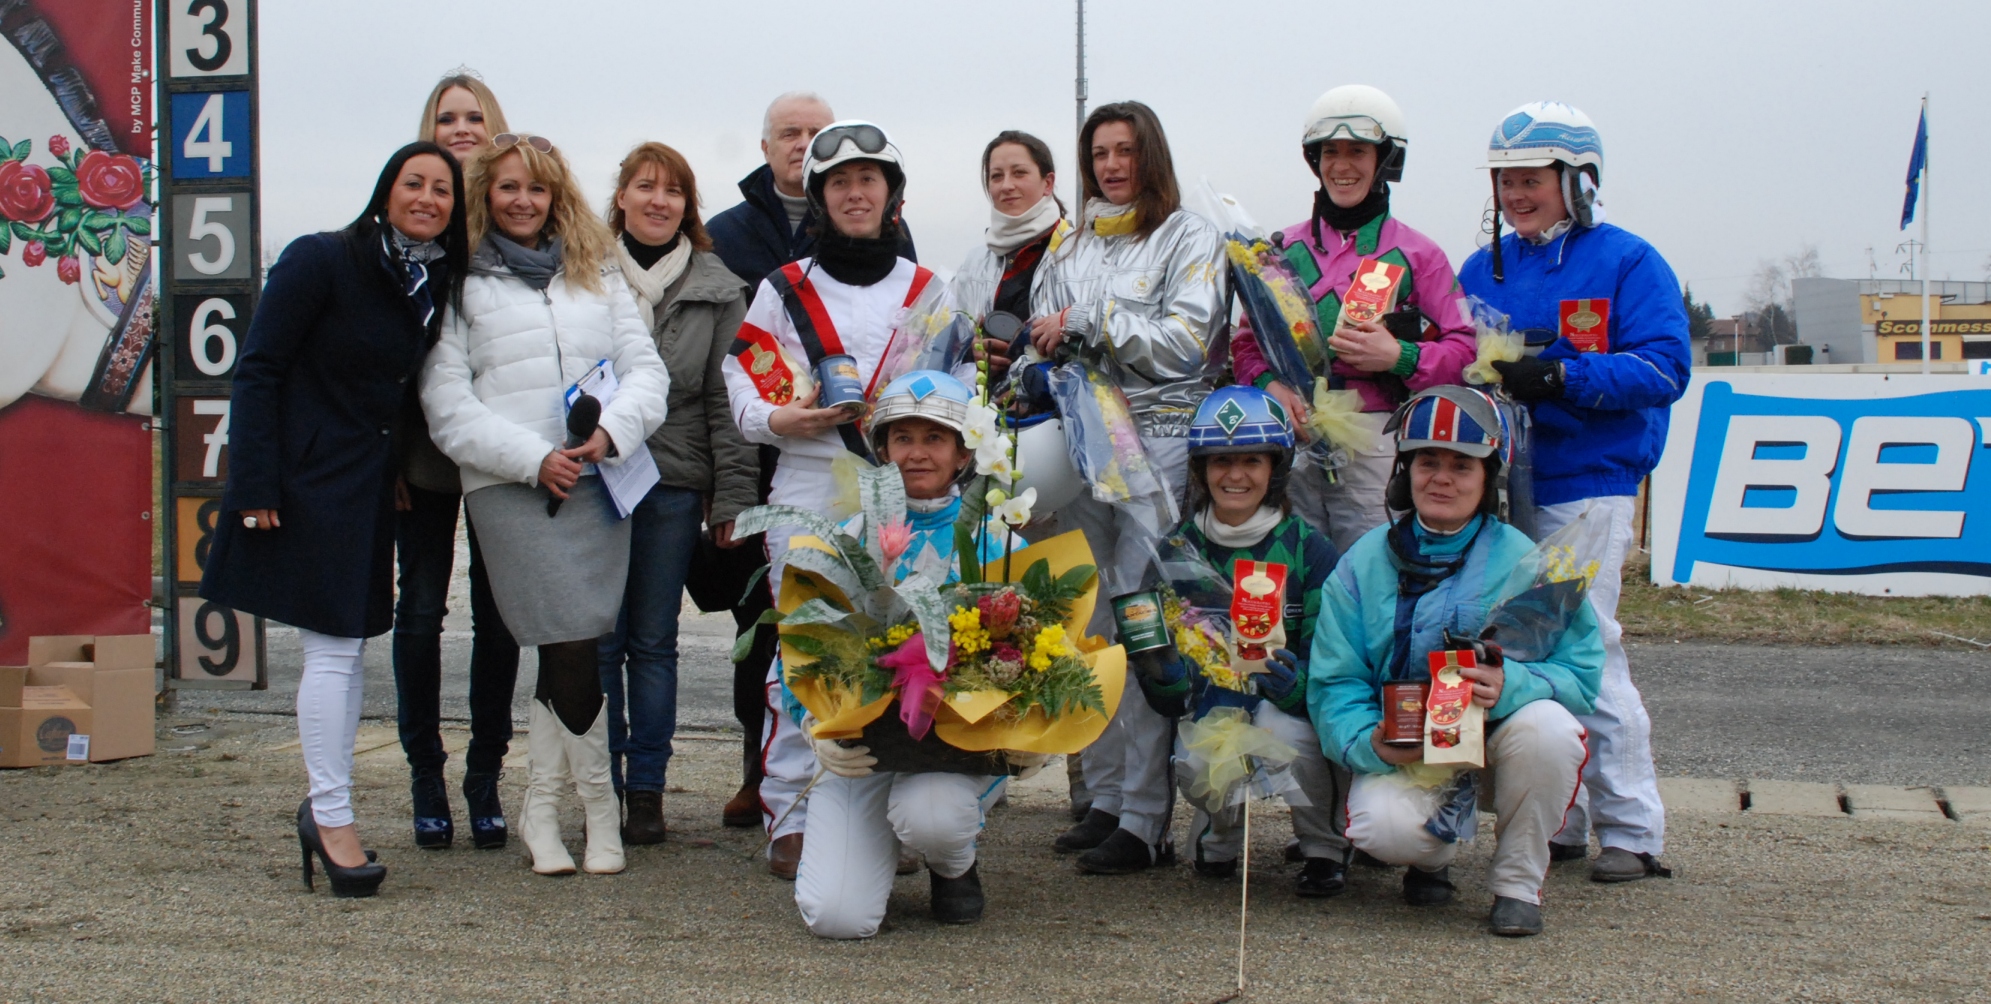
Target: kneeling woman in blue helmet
x=859, y=817
x=1391, y=602
x=1240, y=460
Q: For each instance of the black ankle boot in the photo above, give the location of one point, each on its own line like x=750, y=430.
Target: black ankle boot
x=1122, y=853
x=957, y=900
x=1422, y=888
x=645, y=820
x=1089, y=834
x=487, y=816
x=433, y=827
x=1321, y=878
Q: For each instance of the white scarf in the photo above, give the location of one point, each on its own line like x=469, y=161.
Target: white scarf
x=650, y=284
x=1245, y=534
x=1006, y=233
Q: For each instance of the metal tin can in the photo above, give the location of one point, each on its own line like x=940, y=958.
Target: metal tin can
x=1403, y=712
x=842, y=388
x=1139, y=618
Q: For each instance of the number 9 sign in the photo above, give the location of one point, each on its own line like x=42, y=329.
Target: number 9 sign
x=206, y=38
x=216, y=643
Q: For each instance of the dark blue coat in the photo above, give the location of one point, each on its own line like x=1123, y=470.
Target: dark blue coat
x=330, y=357
x=753, y=238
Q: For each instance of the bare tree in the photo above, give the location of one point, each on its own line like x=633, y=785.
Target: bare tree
x=1771, y=297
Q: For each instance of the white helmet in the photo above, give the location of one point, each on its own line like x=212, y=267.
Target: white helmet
x=1544, y=133
x=1361, y=113
x=1047, y=466
x=854, y=139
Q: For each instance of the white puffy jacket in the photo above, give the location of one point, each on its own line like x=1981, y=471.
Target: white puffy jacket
x=493, y=384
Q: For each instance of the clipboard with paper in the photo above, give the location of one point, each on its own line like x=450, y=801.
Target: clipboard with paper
x=629, y=481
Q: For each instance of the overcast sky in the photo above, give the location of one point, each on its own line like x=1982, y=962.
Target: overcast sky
x=1733, y=131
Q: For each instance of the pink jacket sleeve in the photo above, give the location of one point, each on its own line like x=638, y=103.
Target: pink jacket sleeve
x=1247, y=361
x=1442, y=360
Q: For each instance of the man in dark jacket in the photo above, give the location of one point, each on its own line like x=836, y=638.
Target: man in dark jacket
x=770, y=228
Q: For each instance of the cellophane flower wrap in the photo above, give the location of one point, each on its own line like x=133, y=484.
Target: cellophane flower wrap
x=986, y=663
x=932, y=333
x=1546, y=589
x=1105, y=446
x=1196, y=607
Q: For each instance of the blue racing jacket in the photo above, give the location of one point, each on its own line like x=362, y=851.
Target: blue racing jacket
x=1605, y=434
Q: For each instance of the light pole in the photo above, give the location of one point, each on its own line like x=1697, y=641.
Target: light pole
x=1079, y=92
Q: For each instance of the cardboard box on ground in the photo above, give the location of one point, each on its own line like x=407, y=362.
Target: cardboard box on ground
x=79, y=699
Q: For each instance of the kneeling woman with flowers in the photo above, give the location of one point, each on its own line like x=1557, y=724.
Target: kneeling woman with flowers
x=989, y=677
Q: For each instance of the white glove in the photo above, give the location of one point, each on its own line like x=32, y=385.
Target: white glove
x=1030, y=762
x=845, y=761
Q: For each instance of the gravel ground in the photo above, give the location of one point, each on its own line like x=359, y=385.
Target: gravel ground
x=174, y=877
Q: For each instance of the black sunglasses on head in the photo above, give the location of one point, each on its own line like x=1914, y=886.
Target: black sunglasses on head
x=869, y=139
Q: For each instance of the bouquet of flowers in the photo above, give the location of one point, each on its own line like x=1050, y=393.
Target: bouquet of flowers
x=1546, y=589
x=1105, y=445
x=930, y=334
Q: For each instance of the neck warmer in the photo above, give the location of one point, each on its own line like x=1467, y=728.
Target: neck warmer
x=858, y=261
x=1108, y=220
x=796, y=206
x=414, y=257
x=942, y=504
x=1007, y=233
x=535, y=267
x=1354, y=217
x=1562, y=227
x=1245, y=534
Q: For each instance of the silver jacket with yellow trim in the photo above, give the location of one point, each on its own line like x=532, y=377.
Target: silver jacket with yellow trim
x=1145, y=311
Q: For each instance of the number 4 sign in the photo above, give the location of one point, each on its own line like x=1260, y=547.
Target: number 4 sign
x=211, y=135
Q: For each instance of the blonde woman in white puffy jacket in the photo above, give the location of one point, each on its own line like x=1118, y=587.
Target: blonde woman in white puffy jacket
x=541, y=308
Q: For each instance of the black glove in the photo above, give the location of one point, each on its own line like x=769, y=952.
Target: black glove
x=1163, y=677
x=1488, y=654
x=1405, y=325
x=1530, y=378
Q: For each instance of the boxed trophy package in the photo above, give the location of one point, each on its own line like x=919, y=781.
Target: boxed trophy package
x=1454, y=727
x=1372, y=293
x=1258, y=613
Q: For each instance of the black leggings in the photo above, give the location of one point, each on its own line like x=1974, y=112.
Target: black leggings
x=570, y=682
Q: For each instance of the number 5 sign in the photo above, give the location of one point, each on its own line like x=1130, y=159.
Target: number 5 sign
x=211, y=269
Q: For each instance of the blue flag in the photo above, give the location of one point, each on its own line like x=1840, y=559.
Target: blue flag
x=1918, y=162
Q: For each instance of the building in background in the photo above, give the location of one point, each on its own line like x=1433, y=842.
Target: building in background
x=1880, y=320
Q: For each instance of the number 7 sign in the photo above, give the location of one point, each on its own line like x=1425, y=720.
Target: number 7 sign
x=200, y=439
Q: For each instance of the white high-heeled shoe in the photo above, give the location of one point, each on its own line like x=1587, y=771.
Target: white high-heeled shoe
x=546, y=758
x=587, y=759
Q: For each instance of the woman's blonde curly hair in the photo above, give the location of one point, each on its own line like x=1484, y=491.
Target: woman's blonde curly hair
x=585, y=240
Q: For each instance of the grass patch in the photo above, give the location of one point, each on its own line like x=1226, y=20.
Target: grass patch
x=1796, y=616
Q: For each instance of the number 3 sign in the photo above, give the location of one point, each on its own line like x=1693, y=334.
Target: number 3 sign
x=205, y=38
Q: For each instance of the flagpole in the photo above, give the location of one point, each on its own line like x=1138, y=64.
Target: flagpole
x=1925, y=234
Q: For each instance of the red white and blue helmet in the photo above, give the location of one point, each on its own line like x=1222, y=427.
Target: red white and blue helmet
x=1462, y=419
x=1240, y=419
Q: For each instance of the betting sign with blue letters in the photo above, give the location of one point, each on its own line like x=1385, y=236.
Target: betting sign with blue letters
x=1867, y=483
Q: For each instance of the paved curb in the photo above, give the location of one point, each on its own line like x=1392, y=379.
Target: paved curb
x=1966, y=804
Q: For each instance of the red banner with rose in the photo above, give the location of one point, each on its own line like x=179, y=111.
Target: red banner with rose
x=76, y=319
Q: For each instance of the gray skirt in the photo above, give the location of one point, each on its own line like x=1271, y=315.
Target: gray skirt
x=559, y=578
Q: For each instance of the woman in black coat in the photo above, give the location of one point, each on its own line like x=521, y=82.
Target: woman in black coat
x=307, y=539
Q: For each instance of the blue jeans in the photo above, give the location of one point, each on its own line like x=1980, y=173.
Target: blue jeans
x=425, y=542
x=663, y=538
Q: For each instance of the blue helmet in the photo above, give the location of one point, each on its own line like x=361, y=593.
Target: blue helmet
x=1240, y=419
x=929, y=394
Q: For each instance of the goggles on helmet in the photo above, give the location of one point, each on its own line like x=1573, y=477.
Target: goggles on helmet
x=1360, y=128
x=868, y=138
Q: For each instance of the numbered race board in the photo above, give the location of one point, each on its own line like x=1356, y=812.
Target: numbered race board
x=211, y=238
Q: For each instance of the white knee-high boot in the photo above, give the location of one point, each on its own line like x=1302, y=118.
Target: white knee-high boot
x=546, y=756
x=587, y=758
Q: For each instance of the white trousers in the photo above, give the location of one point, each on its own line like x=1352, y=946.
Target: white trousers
x=856, y=829
x=328, y=707
x=787, y=759
x=1620, y=796
x=1535, y=757
x=1127, y=769
x=1353, y=504
x=1318, y=825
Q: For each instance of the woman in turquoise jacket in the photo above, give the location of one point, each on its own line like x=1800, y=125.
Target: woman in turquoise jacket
x=1391, y=601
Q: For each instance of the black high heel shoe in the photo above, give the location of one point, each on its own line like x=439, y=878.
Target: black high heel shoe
x=434, y=829
x=351, y=883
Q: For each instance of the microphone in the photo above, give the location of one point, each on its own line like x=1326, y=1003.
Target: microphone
x=582, y=420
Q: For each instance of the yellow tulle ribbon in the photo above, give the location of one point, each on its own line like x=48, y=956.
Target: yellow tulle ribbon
x=1494, y=347
x=1337, y=418
x=1220, y=746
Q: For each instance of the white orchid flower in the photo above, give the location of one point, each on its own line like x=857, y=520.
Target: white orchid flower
x=984, y=427
x=1016, y=511
x=1001, y=469
x=987, y=454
